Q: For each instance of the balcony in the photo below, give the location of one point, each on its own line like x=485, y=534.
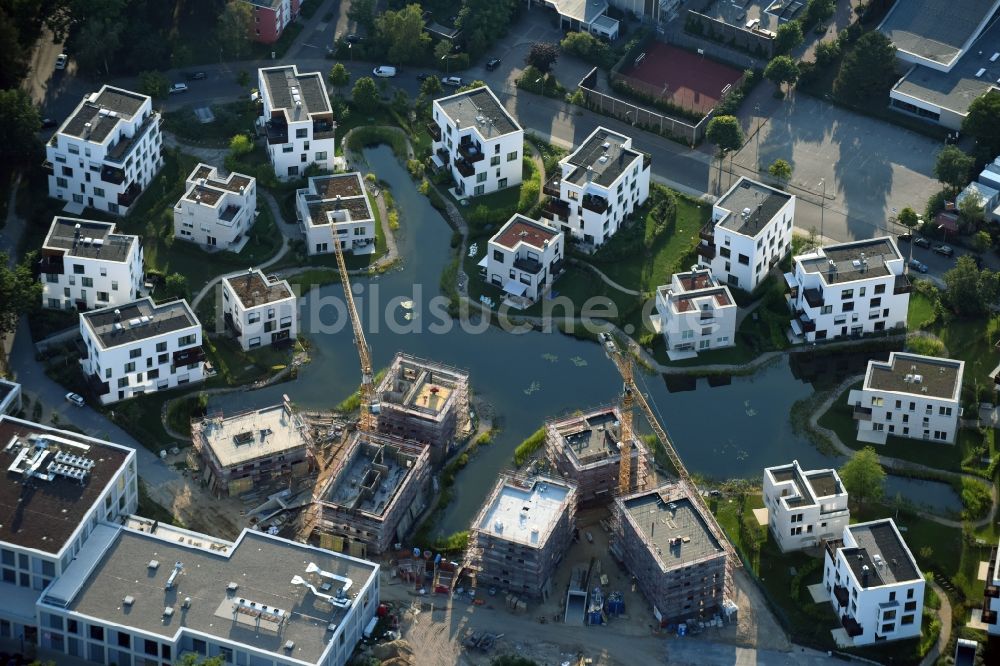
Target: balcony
x=323, y=128
x=532, y=266
x=814, y=297
x=443, y=155
x=128, y=197
x=434, y=130
x=464, y=168
x=112, y=175
x=707, y=316
x=472, y=152
x=807, y=324
x=706, y=250
x=97, y=386
x=48, y=168
x=51, y=263
x=595, y=204
x=277, y=133
x=988, y=616
x=862, y=413
x=557, y=210
x=188, y=356
x=851, y=626
x=118, y=151
x=841, y=594
x=707, y=233
x=551, y=186
x=902, y=285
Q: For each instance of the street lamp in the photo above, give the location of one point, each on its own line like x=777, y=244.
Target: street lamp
x=350, y=53
x=447, y=62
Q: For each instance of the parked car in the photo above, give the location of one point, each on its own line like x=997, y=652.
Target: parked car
x=944, y=250
x=423, y=77
x=353, y=39
x=492, y=64
x=918, y=265
x=49, y=123
x=384, y=71
x=920, y=241
x=905, y=238
x=453, y=81
x=61, y=61
x=195, y=76
x=76, y=399
x=178, y=88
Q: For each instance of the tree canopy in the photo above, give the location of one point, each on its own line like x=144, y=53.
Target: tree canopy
x=863, y=476
x=780, y=170
x=362, y=11
x=953, y=166
x=970, y=291
x=725, y=132
x=401, y=33
x=782, y=69
x=235, y=23
x=20, y=293
x=19, y=123
x=788, y=36
x=867, y=70
x=365, y=95
x=339, y=76
x=983, y=122
x=908, y=217
x=482, y=22
x=542, y=56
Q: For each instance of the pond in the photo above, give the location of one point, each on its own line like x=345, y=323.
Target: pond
x=936, y=497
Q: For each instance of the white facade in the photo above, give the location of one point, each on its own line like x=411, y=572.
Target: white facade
x=336, y=207
x=141, y=347
x=751, y=230
x=84, y=264
x=216, y=212
x=909, y=395
x=696, y=313
x=296, y=119
x=804, y=507
x=874, y=583
x=478, y=141
x=261, y=310
x=523, y=258
x=848, y=289
x=107, y=151
x=599, y=185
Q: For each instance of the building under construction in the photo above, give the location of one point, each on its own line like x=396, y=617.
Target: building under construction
x=586, y=448
x=673, y=552
x=376, y=490
x=521, y=534
x=424, y=401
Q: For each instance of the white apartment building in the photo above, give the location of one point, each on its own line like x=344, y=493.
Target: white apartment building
x=336, y=207
x=909, y=395
x=804, y=508
x=848, y=289
x=696, y=313
x=750, y=231
x=84, y=264
x=477, y=141
x=874, y=583
x=598, y=185
x=106, y=152
x=991, y=595
x=216, y=212
x=259, y=309
x=78, y=484
x=141, y=347
x=297, y=120
x=524, y=258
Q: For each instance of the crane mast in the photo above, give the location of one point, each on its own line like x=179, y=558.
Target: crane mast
x=625, y=466
x=369, y=406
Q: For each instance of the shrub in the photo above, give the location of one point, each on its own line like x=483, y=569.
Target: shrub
x=928, y=346
x=589, y=49
x=528, y=447
x=975, y=498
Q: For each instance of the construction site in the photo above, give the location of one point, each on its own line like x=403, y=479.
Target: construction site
x=424, y=401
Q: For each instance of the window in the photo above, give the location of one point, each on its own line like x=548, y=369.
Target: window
x=186, y=340
x=321, y=156
x=846, y=294
x=847, y=306
x=907, y=620
x=879, y=289
x=96, y=633
x=743, y=259
x=498, y=256
x=78, y=269
x=876, y=302
x=725, y=252
x=123, y=382
x=130, y=366
x=254, y=342
x=301, y=133
x=287, y=148
x=162, y=359
x=495, y=161
x=253, y=317
x=161, y=347
x=910, y=606
x=114, y=285
x=944, y=411
x=135, y=353
x=61, y=182
x=512, y=156
x=888, y=615
x=826, y=309
x=481, y=177
x=123, y=639
x=888, y=628
x=99, y=192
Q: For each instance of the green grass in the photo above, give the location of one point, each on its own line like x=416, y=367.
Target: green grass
x=354, y=119
x=529, y=447
x=921, y=311
x=45, y=322
x=230, y=119
x=238, y=367
x=181, y=411
x=141, y=418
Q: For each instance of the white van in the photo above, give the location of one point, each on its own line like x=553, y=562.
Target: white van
x=384, y=71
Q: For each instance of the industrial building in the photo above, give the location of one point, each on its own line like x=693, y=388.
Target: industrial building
x=251, y=447
x=376, y=490
x=584, y=448
x=521, y=533
x=671, y=548
x=424, y=401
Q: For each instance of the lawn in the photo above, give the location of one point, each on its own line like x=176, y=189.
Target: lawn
x=230, y=119
x=921, y=311
x=973, y=341
x=141, y=418
x=357, y=119
x=238, y=367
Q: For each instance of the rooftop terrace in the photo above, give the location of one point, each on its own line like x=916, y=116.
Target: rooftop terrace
x=251, y=435
x=337, y=198
x=750, y=206
x=602, y=158
x=300, y=94
x=253, y=288
x=480, y=109
x=520, y=229
x=916, y=375
x=809, y=485
x=671, y=527
x=138, y=320
x=857, y=260
x=88, y=239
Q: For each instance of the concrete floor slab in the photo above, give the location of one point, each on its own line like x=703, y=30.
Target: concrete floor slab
x=841, y=638
x=975, y=621
x=984, y=570
x=762, y=516
x=818, y=593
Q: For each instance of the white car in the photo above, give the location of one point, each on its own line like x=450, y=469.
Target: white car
x=178, y=88
x=61, y=61
x=384, y=71
x=453, y=81
x=76, y=399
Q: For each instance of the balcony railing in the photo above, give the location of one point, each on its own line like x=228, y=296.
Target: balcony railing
x=841, y=594
x=464, y=168
x=707, y=232
x=862, y=413
x=188, y=356
x=814, y=297
x=434, y=130
x=277, y=133
x=443, y=155
x=706, y=250
x=527, y=265
x=988, y=616
x=112, y=175
x=551, y=186
x=807, y=324
x=128, y=197
x=902, y=285
x=851, y=626
x=117, y=152
x=595, y=204
x=554, y=209
x=471, y=152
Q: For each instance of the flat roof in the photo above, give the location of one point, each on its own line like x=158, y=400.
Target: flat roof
x=688, y=291
x=525, y=513
x=103, y=111
x=591, y=436
x=207, y=188
x=253, y=288
x=326, y=195
x=138, y=320
x=520, y=229
x=88, y=239
x=751, y=206
x=287, y=89
x=253, y=434
x=262, y=567
x=43, y=514
x=934, y=30
x=374, y=471
x=855, y=260
x=809, y=485
x=425, y=387
x=883, y=551
x=602, y=158
x=665, y=515
x=585, y=11
x=917, y=375
x=480, y=109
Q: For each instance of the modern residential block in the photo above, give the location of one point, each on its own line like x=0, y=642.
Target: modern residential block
x=696, y=313
x=750, y=231
x=84, y=264
x=252, y=447
x=336, y=207
x=524, y=258
x=216, y=212
x=141, y=347
x=521, y=533
x=10, y=397
x=106, y=152
x=910, y=395
x=804, y=508
x=477, y=141
x=874, y=583
x=991, y=595
x=296, y=118
x=59, y=491
x=598, y=186
x=259, y=309
x=271, y=17
x=848, y=289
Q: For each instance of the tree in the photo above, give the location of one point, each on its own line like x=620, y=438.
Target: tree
x=789, y=36
x=240, y=145
x=19, y=123
x=339, y=77
x=826, y=53
x=587, y=47
x=953, y=166
x=868, y=69
x=542, y=56
x=970, y=209
x=153, y=84
x=982, y=241
x=908, y=218
x=191, y=659
x=175, y=286
x=20, y=293
x=402, y=34
x=365, y=95
x=983, y=122
x=970, y=291
x=431, y=86
x=363, y=11
x=12, y=65
x=780, y=170
x=818, y=11
x=400, y=102
x=782, y=69
x=235, y=23
x=99, y=40
x=483, y=21
x=863, y=476
x=471, y=85
x=727, y=135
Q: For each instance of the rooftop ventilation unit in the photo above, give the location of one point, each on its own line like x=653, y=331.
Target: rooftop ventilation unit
x=178, y=567
x=153, y=564
x=168, y=612
x=128, y=601
x=232, y=587
x=982, y=70
x=289, y=645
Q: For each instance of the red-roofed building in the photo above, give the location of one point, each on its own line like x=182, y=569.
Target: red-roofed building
x=524, y=257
